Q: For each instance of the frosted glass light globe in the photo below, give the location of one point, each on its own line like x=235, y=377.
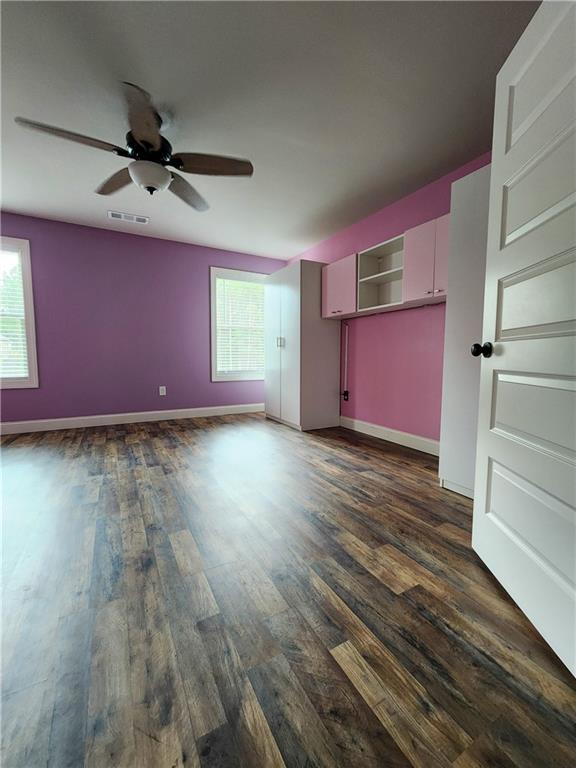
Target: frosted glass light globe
x=152, y=177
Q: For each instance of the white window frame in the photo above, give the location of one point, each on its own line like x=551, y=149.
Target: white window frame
x=22, y=247
x=228, y=274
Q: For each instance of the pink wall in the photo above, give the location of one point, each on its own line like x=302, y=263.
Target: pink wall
x=395, y=362
x=117, y=315
x=395, y=370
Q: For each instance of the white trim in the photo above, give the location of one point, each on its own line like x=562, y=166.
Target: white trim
x=417, y=442
x=111, y=419
x=228, y=274
x=22, y=247
x=457, y=488
x=242, y=275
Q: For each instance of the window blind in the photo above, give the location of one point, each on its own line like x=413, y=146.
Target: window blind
x=239, y=329
x=13, y=344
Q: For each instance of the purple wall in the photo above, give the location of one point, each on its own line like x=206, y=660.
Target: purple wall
x=116, y=316
x=395, y=362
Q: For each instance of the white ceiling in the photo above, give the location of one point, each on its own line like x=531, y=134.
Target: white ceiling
x=342, y=107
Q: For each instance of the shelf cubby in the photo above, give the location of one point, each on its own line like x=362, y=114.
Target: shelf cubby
x=380, y=273
x=372, y=295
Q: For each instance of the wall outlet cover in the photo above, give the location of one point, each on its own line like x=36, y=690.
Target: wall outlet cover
x=161, y=391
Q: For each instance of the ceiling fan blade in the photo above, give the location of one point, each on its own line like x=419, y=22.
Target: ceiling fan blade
x=143, y=118
x=211, y=165
x=117, y=181
x=186, y=192
x=62, y=133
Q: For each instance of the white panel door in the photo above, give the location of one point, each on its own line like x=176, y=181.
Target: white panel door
x=272, y=345
x=525, y=508
x=290, y=325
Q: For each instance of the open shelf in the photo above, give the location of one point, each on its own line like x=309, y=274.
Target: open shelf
x=377, y=308
x=371, y=295
x=382, y=258
x=383, y=277
x=380, y=273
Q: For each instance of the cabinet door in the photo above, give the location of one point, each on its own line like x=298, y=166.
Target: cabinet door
x=272, y=342
x=441, y=257
x=290, y=333
x=419, y=247
x=339, y=287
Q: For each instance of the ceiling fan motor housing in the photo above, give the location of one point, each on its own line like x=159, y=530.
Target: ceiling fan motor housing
x=152, y=177
x=141, y=150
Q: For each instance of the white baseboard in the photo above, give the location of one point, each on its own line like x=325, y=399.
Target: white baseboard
x=424, y=444
x=457, y=488
x=110, y=419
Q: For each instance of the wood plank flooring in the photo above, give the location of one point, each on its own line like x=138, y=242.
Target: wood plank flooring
x=225, y=592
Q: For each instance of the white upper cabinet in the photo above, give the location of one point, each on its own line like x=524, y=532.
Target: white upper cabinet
x=426, y=260
x=406, y=271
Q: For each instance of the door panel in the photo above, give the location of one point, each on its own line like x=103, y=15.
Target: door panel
x=541, y=190
x=539, y=520
x=537, y=410
x=272, y=350
x=535, y=443
x=419, y=247
x=538, y=301
x=533, y=557
x=290, y=332
x=339, y=287
x=544, y=90
x=525, y=508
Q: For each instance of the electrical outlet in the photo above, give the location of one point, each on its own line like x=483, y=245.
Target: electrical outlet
x=162, y=391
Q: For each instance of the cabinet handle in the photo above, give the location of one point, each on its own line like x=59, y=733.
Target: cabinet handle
x=439, y=290
x=336, y=311
x=280, y=341
x=429, y=292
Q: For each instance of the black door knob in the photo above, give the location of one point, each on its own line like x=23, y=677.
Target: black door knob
x=485, y=349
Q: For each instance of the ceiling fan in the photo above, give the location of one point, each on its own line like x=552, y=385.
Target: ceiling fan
x=151, y=153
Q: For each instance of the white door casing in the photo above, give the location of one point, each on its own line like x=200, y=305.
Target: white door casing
x=525, y=508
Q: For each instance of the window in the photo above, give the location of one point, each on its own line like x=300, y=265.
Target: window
x=237, y=301
x=18, y=368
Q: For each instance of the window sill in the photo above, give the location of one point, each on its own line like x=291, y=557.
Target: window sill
x=249, y=377
x=27, y=383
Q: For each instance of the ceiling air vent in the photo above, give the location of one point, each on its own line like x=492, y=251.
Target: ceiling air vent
x=131, y=217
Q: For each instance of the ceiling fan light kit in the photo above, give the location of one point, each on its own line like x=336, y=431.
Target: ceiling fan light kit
x=151, y=153
x=152, y=177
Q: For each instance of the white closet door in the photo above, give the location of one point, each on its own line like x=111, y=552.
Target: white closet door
x=290, y=333
x=525, y=507
x=272, y=348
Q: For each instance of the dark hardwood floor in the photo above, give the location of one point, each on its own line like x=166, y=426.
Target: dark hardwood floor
x=229, y=592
